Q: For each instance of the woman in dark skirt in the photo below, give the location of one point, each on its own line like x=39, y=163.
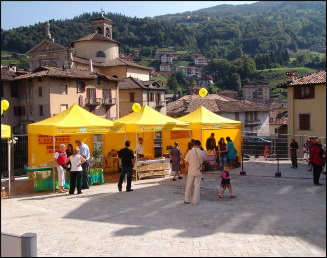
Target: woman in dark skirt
x=176, y=158
x=225, y=183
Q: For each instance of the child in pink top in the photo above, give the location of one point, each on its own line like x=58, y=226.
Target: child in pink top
x=225, y=183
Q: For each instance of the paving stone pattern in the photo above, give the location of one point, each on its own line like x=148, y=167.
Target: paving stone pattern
x=270, y=217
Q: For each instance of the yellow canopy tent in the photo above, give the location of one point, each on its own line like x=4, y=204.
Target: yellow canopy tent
x=67, y=127
x=144, y=123
x=5, y=131
x=204, y=122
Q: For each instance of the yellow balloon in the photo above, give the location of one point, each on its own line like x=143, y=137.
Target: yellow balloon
x=203, y=92
x=4, y=104
x=136, y=107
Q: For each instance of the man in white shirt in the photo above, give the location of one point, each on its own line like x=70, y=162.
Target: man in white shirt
x=140, y=149
x=194, y=159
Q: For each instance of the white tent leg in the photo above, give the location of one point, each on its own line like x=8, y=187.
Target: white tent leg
x=9, y=169
x=54, y=168
x=136, y=172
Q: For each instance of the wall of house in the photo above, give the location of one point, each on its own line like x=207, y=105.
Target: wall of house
x=58, y=98
x=88, y=50
x=261, y=129
x=8, y=117
x=119, y=71
x=143, y=75
x=125, y=106
x=316, y=107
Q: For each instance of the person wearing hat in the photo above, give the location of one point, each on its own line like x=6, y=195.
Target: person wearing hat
x=317, y=159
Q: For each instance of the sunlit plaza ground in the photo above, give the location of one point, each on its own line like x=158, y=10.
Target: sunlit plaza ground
x=270, y=217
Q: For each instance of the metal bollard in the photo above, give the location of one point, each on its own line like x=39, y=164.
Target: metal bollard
x=29, y=245
x=278, y=174
x=242, y=172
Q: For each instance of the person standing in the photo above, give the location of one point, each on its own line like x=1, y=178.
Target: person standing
x=85, y=153
x=293, y=149
x=126, y=159
x=76, y=170
x=225, y=183
x=231, y=152
x=60, y=158
x=69, y=152
x=211, y=143
x=176, y=158
x=194, y=158
x=317, y=159
x=140, y=149
x=222, y=154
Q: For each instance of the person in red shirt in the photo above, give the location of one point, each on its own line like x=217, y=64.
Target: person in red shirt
x=317, y=159
x=60, y=158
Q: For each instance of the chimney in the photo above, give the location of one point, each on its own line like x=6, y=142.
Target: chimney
x=291, y=75
x=91, y=66
x=12, y=67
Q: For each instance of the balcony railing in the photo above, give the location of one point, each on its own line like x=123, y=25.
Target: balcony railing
x=93, y=101
x=109, y=101
x=252, y=122
x=160, y=103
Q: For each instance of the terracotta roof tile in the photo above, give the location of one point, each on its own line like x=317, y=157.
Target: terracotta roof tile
x=214, y=102
x=7, y=75
x=134, y=83
x=318, y=77
x=68, y=73
x=114, y=62
x=96, y=36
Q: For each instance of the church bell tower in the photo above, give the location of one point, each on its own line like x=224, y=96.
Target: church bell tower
x=102, y=25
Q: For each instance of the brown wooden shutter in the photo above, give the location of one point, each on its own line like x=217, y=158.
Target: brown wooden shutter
x=304, y=121
x=312, y=92
x=297, y=92
x=88, y=93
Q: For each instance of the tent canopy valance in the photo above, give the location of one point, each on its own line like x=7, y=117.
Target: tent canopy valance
x=150, y=120
x=74, y=120
x=203, y=118
x=5, y=131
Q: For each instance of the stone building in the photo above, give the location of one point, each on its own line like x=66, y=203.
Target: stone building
x=132, y=90
x=50, y=90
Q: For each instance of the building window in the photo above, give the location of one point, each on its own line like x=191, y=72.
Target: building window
x=132, y=96
x=63, y=89
x=41, y=110
x=99, y=30
x=31, y=109
x=100, y=54
x=19, y=110
x=80, y=87
x=151, y=97
x=39, y=79
x=237, y=116
x=304, y=92
x=63, y=107
x=106, y=93
x=14, y=90
x=91, y=93
x=304, y=121
x=40, y=91
x=98, y=81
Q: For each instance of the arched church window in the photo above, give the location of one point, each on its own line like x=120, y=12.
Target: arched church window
x=99, y=30
x=100, y=54
x=107, y=33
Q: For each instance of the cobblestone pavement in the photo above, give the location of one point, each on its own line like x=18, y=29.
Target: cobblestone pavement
x=270, y=217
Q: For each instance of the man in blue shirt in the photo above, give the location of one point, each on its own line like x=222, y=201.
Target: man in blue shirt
x=85, y=153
